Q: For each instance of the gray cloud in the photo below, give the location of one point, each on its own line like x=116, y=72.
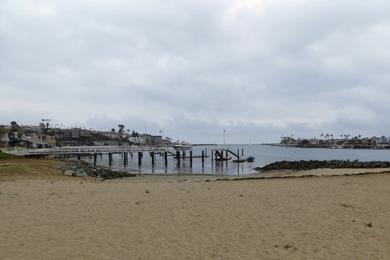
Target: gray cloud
x=258, y=68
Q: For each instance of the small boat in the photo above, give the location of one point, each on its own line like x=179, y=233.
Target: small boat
x=250, y=159
x=182, y=146
x=223, y=159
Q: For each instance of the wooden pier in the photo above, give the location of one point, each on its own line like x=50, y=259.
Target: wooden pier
x=218, y=155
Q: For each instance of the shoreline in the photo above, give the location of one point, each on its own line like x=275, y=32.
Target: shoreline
x=327, y=147
x=28, y=167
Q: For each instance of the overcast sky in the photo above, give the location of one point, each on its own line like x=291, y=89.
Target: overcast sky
x=258, y=68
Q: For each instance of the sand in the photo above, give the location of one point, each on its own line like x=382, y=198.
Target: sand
x=48, y=216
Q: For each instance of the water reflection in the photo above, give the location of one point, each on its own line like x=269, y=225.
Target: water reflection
x=158, y=164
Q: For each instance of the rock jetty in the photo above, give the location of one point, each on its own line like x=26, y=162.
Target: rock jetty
x=314, y=164
x=83, y=169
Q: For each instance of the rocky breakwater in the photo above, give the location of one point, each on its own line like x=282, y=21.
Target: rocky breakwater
x=83, y=169
x=314, y=164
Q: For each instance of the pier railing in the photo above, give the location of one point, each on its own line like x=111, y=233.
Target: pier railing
x=86, y=150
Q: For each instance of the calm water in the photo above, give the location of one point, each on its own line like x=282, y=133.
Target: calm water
x=263, y=154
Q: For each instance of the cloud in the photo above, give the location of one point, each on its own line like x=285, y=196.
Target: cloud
x=258, y=68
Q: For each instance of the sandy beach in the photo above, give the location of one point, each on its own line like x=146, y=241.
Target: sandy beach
x=49, y=216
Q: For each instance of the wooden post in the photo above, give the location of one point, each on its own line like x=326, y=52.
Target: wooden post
x=178, y=157
x=166, y=159
x=191, y=159
x=184, y=155
x=242, y=152
x=94, y=159
x=139, y=158
x=110, y=159
x=78, y=157
x=202, y=156
x=125, y=159
x=238, y=153
x=152, y=154
x=212, y=155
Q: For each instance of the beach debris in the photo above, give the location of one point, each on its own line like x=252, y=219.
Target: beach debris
x=346, y=206
x=369, y=225
x=288, y=246
x=68, y=172
x=146, y=191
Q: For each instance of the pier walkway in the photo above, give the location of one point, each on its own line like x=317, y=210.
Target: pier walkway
x=89, y=150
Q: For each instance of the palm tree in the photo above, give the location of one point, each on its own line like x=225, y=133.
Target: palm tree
x=120, y=131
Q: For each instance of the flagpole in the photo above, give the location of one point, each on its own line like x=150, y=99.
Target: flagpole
x=224, y=136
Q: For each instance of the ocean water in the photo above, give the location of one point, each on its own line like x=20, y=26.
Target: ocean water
x=263, y=154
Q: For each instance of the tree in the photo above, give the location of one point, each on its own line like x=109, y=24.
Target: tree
x=44, y=125
x=120, y=131
x=15, y=133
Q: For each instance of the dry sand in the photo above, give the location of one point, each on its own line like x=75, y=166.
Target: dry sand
x=54, y=217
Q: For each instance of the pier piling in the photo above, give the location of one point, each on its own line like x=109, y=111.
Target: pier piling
x=94, y=159
x=152, y=155
x=110, y=159
x=140, y=158
x=125, y=159
x=191, y=159
x=178, y=157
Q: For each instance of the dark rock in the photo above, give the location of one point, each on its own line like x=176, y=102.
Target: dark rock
x=315, y=164
x=83, y=169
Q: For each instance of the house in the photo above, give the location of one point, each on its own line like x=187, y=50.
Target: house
x=37, y=140
x=4, y=138
x=156, y=140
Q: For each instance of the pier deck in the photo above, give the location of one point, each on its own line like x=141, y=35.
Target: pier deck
x=89, y=150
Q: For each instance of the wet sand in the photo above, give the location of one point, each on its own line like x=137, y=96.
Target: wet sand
x=179, y=217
